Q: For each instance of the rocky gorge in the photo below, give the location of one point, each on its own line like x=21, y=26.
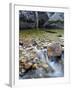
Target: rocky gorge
x=41, y=44
x=33, y=19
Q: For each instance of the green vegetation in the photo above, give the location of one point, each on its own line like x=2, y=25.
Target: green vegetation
x=57, y=21
x=41, y=34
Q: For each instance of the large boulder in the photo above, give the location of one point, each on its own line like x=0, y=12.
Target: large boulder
x=56, y=16
x=56, y=20
x=54, y=49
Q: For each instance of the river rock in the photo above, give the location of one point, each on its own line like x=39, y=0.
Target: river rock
x=54, y=49
x=34, y=66
x=21, y=48
x=45, y=45
x=26, y=43
x=27, y=65
x=34, y=43
x=45, y=65
x=20, y=43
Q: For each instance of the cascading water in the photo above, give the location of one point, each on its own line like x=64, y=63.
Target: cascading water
x=42, y=55
x=57, y=67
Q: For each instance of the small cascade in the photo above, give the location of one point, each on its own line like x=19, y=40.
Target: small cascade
x=57, y=67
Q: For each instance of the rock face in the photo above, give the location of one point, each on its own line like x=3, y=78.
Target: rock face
x=56, y=16
x=27, y=19
x=56, y=20
x=26, y=25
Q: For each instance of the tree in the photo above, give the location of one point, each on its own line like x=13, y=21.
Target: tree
x=36, y=21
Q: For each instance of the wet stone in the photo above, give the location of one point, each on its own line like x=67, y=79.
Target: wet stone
x=54, y=49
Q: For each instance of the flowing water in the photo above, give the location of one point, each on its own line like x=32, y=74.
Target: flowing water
x=42, y=55
x=57, y=67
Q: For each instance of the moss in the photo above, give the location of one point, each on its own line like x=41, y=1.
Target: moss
x=57, y=21
x=41, y=34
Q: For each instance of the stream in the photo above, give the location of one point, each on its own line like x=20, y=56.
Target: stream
x=57, y=69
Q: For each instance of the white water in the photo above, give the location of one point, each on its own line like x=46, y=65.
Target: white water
x=57, y=69
x=43, y=56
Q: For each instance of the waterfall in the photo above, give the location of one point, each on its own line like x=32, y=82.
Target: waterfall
x=57, y=67
x=42, y=54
